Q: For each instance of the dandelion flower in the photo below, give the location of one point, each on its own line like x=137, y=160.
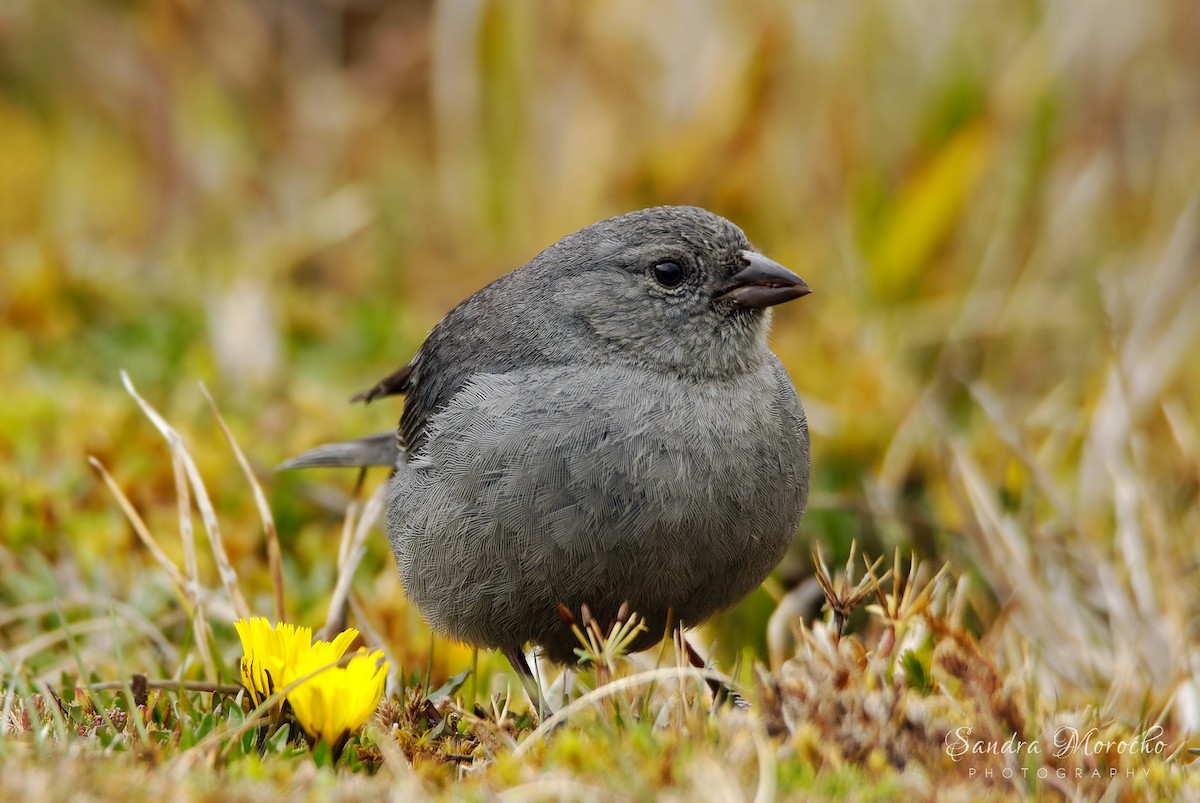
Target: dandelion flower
x=269, y=651
x=331, y=704
x=337, y=701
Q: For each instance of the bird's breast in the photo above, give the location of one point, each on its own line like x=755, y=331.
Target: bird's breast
x=602, y=486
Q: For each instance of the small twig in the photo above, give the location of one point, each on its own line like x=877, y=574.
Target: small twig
x=230, y=689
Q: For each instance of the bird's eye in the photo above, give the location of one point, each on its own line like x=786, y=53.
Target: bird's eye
x=668, y=274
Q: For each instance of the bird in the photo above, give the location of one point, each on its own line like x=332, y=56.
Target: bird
x=603, y=429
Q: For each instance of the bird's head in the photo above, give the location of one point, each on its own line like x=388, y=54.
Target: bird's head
x=673, y=287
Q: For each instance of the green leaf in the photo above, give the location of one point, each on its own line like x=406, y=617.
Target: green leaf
x=916, y=672
x=322, y=754
x=246, y=741
x=452, y=684
x=205, y=727
x=278, y=743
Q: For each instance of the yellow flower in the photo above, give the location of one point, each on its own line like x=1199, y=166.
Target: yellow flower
x=270, y=651
x=330, y=705
x=338, y=701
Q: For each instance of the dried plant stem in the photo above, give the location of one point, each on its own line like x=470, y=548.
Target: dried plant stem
x=200, y=627
x=274, y=556
x=350, y=553
x=203, y=503
x=617, y=686
x=142, y=531
x=167, y=684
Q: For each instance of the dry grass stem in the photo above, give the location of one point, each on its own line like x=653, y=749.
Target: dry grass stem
x=274, y=556
x=203, y=503
x=357, y=526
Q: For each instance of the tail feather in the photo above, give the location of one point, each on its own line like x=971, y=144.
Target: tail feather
x=374, y=450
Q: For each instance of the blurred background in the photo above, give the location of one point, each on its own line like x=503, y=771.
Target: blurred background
x=995, y=203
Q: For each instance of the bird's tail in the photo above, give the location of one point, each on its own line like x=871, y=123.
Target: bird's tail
x=381, y=449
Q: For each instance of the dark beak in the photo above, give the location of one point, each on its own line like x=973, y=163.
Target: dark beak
x=762, y=283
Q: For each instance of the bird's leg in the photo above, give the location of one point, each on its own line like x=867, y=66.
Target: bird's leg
x=519, y=662
x=721, y=691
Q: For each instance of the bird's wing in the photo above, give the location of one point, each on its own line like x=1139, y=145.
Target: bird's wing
x=481, y=335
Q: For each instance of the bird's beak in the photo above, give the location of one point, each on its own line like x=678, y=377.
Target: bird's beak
x=762, y=283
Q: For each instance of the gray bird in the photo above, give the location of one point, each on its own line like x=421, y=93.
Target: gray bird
x=603, y=425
